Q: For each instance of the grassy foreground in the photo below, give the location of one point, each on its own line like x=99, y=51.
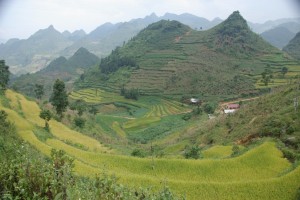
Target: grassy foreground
x=261, y=173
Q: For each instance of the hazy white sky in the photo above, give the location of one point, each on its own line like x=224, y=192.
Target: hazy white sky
x=21, y=18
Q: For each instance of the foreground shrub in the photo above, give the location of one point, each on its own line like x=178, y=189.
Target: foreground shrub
x=33, y=177
x=192, y=152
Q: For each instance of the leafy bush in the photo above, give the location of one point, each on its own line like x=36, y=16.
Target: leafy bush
x=30, y=176
x=192, y=152
x=138, y=153
x=78, y=105
x=187, y=116
x=278, y=126
x=26, y=178
x=290, y=155
x=46, y=115
x=115, y=61
x=235, y=150
x=210, y=107
x=130, y=93
x=298, y=194
x=79, y=122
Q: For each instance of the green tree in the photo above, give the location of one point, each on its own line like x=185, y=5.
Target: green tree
x=59, y=97
x=138, y=153
x=46, y=115
x=284, y=70
x=267, y=76
x=78, y=105
x=192, y=152
x=93, y=110
x=79, y=122
x=39, y=91
x=4, y=76
x=210, y=107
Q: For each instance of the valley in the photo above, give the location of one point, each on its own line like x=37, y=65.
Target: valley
x=201, y=178
x=148, y=121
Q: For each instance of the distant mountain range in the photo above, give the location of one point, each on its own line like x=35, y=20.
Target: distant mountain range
x=260, y=28
x=281, y=34
x=36, y=52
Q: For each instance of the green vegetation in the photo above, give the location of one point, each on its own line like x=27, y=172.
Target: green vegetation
x=79, y=121
x=218, y=151
x=67, y=70
x=4, y=77
x=192, y=152
x=251, y=169
x=114, y=61
x=174, y=60
x=293, y=47
x=59, y=97
x=143, y=141
x=273, y=115
x=39, y=91
x=130, y=94
x=46, y=115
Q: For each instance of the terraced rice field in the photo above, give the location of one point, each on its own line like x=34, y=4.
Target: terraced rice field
x=146, y=113
x=293, y=71
x=261, y=173
x=218, y=151
x=166, y=108
x=141, y=79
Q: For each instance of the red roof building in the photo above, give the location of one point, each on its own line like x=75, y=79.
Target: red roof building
x=233, y=106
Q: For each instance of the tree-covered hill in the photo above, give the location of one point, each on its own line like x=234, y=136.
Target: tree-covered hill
x=293, y=47
x=172, y=59
x=278, y=36
x=65, y=69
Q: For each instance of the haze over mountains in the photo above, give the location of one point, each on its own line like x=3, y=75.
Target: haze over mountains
x=280, y=35
x=61, y=68
x=293, y=47
x=36, y=52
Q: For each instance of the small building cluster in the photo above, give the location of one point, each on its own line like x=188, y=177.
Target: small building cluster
x=231, y=108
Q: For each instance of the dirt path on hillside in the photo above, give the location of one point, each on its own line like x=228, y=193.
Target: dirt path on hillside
x=223, y=105
x=117, y=116
x=178, y=38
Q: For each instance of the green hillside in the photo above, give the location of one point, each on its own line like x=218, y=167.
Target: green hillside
x=67, y=70
x=169, y=58
x=278, y=36
x=242, y=177
x=273, y=115
x=293, y=47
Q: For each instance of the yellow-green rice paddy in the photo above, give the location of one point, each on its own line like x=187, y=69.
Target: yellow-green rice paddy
x=261, y=173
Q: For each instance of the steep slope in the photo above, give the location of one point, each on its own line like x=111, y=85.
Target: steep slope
x=293, y=47
x=234, y=36
x=241, y=177
x=294, y=27
x=273, y=115
x=82, y=59
x=172, y=59
x=67, y=70
x=278, y=37
x=34, y=53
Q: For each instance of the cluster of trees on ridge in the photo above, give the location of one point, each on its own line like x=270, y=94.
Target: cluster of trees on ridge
x=115, y=61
